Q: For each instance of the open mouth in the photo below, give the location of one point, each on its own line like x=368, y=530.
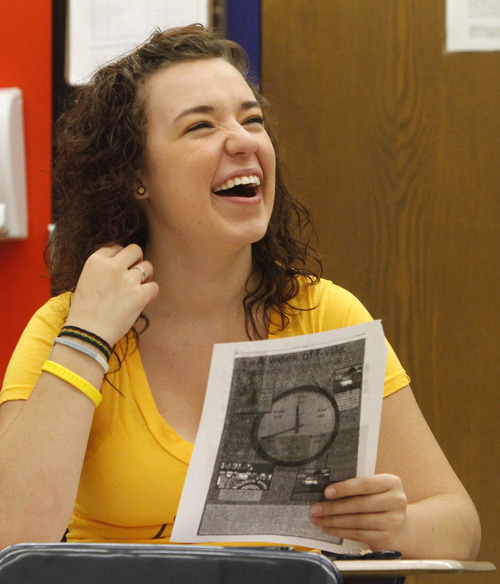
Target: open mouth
x=239, y=186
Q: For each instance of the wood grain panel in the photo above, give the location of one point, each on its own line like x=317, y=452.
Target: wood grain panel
x=395, y=147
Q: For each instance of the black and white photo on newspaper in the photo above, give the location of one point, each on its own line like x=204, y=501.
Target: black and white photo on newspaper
x=282, y=419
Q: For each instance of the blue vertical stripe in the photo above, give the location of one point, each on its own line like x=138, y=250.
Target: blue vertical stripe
x=243, y=25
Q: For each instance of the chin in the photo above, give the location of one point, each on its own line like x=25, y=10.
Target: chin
x=254, y=236
x=246, y=233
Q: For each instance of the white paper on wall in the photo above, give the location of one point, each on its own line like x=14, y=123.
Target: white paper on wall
x=99, y=31
x=472, y=25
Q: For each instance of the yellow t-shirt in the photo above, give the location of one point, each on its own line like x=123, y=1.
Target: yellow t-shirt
x=135, y=464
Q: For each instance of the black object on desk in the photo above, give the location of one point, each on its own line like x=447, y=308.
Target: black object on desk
x=70, y=563
x=374, y=579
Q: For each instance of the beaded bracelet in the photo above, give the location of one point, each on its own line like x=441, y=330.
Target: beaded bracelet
x=93, y=339
x=81, y=349
x=73, y=379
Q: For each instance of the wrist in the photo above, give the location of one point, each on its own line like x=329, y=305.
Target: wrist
x=83, y=348
x=79, y=334
x=73, y=379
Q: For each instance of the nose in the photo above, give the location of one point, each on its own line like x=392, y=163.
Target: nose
x=239, y=141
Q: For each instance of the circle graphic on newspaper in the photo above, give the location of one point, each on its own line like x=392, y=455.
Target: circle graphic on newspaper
x=299, y=428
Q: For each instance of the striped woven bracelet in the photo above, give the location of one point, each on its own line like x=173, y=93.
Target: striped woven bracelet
x=79, y=333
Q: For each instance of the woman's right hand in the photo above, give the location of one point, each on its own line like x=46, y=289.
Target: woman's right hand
x=111, y=294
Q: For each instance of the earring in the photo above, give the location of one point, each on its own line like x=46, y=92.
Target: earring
x=141, y=190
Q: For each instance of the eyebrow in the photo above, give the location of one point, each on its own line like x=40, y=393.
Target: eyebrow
x=208, y=109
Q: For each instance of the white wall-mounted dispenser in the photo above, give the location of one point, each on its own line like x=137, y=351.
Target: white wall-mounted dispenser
x=13, y=204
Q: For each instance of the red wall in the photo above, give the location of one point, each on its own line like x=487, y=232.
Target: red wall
x=25, y=47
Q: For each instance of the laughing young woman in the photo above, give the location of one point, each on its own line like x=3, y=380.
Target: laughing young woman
x=166, y=162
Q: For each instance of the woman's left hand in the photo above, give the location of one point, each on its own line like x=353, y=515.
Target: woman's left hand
x=370, y=510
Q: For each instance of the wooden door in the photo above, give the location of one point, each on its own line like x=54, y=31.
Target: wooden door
x=395, y=147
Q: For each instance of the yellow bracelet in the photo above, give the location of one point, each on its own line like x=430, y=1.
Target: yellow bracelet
x=73, y=379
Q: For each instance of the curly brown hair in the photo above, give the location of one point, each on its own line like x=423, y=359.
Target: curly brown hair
x=100, y=142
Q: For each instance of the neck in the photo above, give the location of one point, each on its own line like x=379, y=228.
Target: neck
x=199, y=285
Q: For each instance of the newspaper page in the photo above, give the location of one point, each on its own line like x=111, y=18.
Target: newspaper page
x=282, y=419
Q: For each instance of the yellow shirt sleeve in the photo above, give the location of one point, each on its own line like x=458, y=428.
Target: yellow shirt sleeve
x=33, y=349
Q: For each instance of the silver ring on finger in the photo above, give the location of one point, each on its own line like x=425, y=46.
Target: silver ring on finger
x=141, y=270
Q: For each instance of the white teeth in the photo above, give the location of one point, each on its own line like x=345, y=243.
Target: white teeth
x=253, y=179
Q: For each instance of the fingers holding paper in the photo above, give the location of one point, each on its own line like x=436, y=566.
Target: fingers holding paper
x=371, y=510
